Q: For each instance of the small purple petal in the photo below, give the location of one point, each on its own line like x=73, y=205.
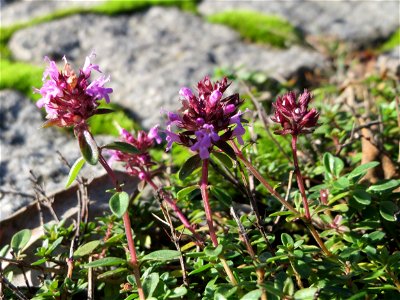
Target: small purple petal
x=186, y=93
x=171, y=138
x=215, y=97
x=153, y=134
x=88, y=66
x=51, y=70
x=229, y=109
x=97, y=90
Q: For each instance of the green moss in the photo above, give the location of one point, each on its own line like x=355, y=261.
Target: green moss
x=21, y=77
x=392, y=42
x=260, y=28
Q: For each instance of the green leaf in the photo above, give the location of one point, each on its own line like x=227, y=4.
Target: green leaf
x=86, y=249
x=305, y=294
x=88, y=146
x=186, y=191
x=112, y=273
x=287, y=240
x=342, y=183
x=253, y=295
x=179, y=292
x=362, y=197
x=281, y=213
x=362, y=170
x=388, y=210
x=123, y=147
x=189, y=166
x=39, y=262
x=333, y=165
x=20, y=239
x=387, y=186
x=288, y=286
x=73, y=173
x=162, y=255
x=224, y=159
x=119, y=203
x=213, y=252
x=105, y=262
x=201, y=269
x=150, y=284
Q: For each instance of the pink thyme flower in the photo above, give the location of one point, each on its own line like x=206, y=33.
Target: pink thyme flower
x=205, y=119
x=137, y=164
x=70, y=99
x=293, y=114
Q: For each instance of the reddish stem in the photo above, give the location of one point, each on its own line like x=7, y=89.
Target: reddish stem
x=206, y=202
x=176, y=209
x=299, y=177
x=128, y=230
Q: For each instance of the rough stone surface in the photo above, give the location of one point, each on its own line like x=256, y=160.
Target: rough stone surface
x=152, y=54
x=358, y=22
x=13, y=12
x=25, y=146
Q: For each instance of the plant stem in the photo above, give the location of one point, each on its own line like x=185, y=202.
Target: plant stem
x=260, y=178
x=176, y=209
x=207, y=209
x=299, y=177
x=128, y=229
x=206, y=202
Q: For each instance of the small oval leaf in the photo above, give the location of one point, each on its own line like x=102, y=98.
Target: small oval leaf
x=119, y=203
x=362, y=170
x=88, y=147
x=20, y=239
x=388, y=210
x=189, y=166
x=123, y=147
x=387, y=186
x=73, y=173
x=105, y=262
x=213, y=252
x=162, y=255
x=86, y=249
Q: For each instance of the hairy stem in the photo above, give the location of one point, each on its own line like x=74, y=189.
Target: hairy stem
x=128, y=230
x=208, y=211
x=206, y=202
x=299, y=177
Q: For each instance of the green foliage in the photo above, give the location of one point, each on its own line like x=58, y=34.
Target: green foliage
x=260, y=28
x=392, y=42
x=20, y=76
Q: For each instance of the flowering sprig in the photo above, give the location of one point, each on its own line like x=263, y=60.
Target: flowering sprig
x=70, y=99
x=205, y=119
x=295, y=117
x=136, y=164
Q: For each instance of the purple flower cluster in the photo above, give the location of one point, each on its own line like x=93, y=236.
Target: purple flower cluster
x=70, y=99
x=205, y=119
x=137, y=164
x=293, y=114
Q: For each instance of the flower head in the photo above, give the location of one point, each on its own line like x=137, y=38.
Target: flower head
x=206, y=118
x=70, y=98
x=293, y=114
x=137, y=164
